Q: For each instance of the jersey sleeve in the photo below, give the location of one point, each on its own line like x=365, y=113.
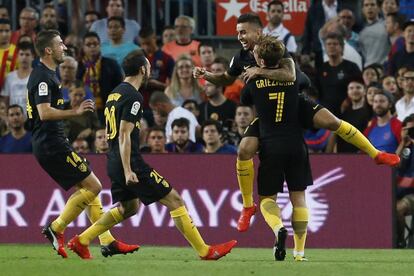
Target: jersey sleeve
x=42, y=92
x=235, y=68
x=131, y=111
x=246, y=96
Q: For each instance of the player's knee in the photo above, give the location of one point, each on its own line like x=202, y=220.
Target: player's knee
x=246, y=150
x=297, y=198
x=402, y=208
x=173, y=200
x=129, y=209
x=325, y=119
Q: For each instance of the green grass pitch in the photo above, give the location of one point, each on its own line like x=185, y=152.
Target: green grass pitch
x=30, y=260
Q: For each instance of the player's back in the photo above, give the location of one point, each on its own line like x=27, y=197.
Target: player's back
x=43, y=87
x=276, y=105
x=124, y=103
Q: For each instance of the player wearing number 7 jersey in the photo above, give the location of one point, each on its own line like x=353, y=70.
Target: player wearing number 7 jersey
x=132, y=179
x=52, y=149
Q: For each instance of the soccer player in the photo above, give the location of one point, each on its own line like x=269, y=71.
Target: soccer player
x=132, y=179
x=52, y=149
x=311, y=115
x=283, y=152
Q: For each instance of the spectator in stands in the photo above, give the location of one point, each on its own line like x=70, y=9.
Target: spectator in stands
x=389, y=83
x=405, y=106
x=207, y=53
x=161, y=104
x=369, y=75
x=99, y=73
x=180, y=138
x=318, y=14
x=90, y=18
x=168, y=34
x=335, y=74
x=347, y=19
x=183, y=43
x=28, y=20
x=48, y=19
x=155, y=141
x=232, y=91
x=67, y=72
x=372, y=89
x=389, y=6
x=4, y=12
x=8, y=51
x=18, y=140
x=81, y=146
x=115, y=8
x=275, y=11
x=349, y=52
x=358, y=113
x=212, y=134
x=183, y=86
x=14, y=89
x=3, y=117
x=373, y=37
x=84, y=126
x=394, y=23
x=404, y=57
x=405, y=178
x=162, y=64
x=384, y=130
x=217, y=107
x=116, y=48
x=101, y=141
x=243, y=117
x=192, y=106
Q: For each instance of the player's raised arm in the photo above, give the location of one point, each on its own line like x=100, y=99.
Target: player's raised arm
x=125, y=130
x=49, y=113
x=222, y=79
x=286, y=72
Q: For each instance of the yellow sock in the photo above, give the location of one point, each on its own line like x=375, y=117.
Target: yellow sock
x=77, y=202
x=107, y=220
x=353, y=136
x=245, y=177
x=300, y=219
x=271, y=214
x=186, y=226
x=95, y=212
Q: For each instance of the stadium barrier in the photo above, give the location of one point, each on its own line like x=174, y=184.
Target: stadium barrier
x=350, y=202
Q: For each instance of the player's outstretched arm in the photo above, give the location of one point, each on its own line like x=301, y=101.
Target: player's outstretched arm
x=48, y=113
x=222, y=79
x=286, y=72
x=125, y=130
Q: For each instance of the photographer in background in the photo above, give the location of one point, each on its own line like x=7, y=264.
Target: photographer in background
x=405, y=178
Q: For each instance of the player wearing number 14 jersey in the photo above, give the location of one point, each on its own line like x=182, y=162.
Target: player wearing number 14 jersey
x=133, y=180
x=52, y=149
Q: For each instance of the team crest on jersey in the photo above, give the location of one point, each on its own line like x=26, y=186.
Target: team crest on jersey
x=135, y=108
x=43, y=89
x=82, y=167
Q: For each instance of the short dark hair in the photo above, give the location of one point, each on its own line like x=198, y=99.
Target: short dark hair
x=270, y=49
x=211, y=122
x=276, y=3
x=251, y=18
x=156, y=128
x=91, y=34
x=133, y=62
x=190, y=101
x=398, y=18
x=26, y=46
x=122, y=2
x=5, y=21
x=222, y=60
x=44, y=40
x=15, y=106
x=168, y=27
x=181, y=122
x=92, y=12
x=146, y=32
x=120, y=19
x=337, y=37
x=409, y=118
x=206, y=44
x=159, y=97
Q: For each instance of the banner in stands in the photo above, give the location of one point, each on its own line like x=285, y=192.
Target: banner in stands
x=350, y=202
x=229, y=10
